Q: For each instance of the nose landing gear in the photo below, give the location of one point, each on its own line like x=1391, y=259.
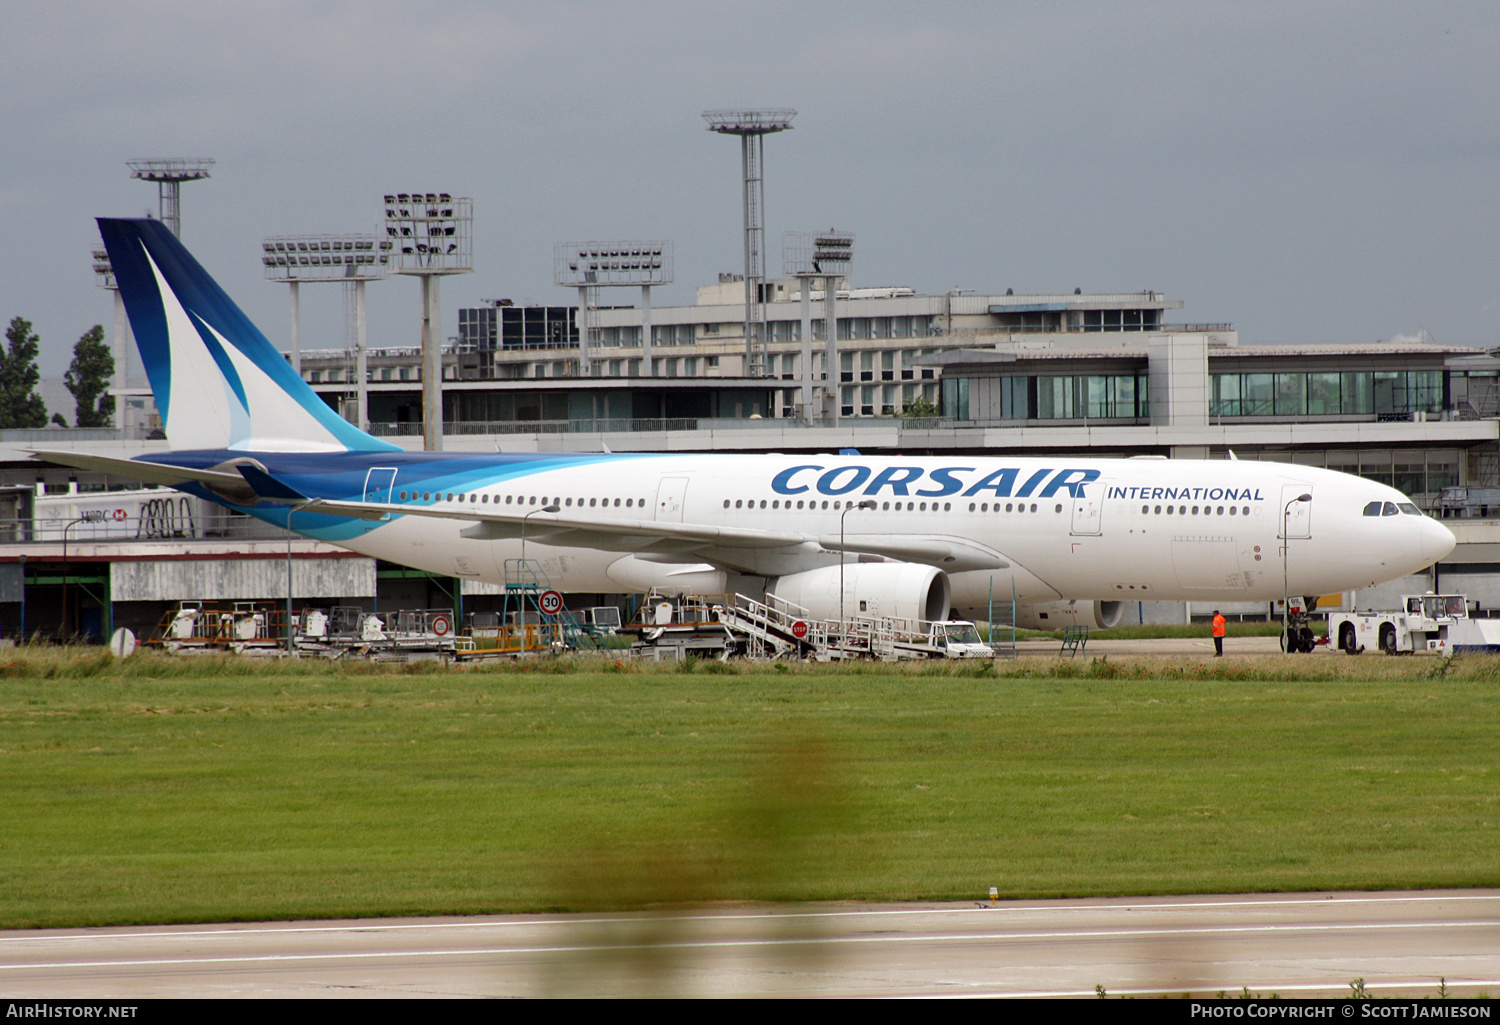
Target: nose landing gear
x=1298, y=635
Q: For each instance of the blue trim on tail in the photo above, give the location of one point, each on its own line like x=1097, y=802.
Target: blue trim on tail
x=267, y=486
x=128, y=243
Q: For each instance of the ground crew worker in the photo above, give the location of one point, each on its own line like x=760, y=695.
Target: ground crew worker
x=1218, y=634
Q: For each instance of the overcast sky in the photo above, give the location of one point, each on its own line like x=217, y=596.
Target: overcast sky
x=1312, y=172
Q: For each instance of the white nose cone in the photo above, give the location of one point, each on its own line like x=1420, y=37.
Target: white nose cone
x=1437, y=540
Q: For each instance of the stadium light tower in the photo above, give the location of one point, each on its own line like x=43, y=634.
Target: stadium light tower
x=433, y=233
x=752, y=126
x=589, y=266
x=351, y=259
x=169, y=173
x=104, y=277
x=807, y=256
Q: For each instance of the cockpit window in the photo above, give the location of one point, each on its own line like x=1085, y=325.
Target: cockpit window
x=1389, y=509
x=1409, y=508
x=1372, y=509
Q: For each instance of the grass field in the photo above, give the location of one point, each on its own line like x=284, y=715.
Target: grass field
x=156, y=790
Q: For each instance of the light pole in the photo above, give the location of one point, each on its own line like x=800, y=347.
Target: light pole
x=433, y=234
x=554, y=507
x=868, y=503
x=70, y=526
x=291, y=632
x=1286, y=635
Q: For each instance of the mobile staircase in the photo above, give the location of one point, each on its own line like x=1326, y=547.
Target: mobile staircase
x=533, y=619
x=774, y=628
x=730, y=625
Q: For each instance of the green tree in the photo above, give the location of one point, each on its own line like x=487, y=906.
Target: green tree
x=88, y=379
x=20, y=405
x=919, y=409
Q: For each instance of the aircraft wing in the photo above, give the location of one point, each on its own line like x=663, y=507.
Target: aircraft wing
x=712, y=542
x=570, y=528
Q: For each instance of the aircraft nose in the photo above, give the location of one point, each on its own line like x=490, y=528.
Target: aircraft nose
x=1437, y=540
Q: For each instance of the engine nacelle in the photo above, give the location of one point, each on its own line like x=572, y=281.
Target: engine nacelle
x=1055, y=614
x=903, y=590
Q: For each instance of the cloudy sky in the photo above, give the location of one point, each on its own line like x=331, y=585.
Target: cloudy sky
x=1312, y=172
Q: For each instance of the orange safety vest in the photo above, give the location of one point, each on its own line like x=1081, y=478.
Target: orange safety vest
x=1218, y=626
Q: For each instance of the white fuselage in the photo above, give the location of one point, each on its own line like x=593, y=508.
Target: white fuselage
x=1055, y=528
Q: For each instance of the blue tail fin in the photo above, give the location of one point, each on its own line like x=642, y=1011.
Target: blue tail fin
x=218, y=383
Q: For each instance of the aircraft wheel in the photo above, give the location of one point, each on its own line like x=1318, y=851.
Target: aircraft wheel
x=1308, y=641
x=1388, y=639
x=1347, y=639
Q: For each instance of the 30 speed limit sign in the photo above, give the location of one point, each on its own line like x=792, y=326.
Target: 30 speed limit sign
x=550, y=602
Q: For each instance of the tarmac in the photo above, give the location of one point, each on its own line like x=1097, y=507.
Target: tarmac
x=1200, y=646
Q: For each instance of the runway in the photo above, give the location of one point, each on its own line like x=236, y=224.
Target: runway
x=1291, y=945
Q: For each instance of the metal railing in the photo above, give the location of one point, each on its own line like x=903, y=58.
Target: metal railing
x=66, y=436
x=164, y=526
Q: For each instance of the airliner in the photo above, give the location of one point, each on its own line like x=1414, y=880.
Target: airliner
x=1071, y=538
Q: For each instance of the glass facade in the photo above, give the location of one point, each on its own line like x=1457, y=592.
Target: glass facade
x=1083, y=397
x=1327, y=393
x=487, y=328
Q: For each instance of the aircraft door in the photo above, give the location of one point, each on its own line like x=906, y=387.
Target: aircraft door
x=1088, y=509
x=379, y=483
x=1298, y=514
x=669, y=498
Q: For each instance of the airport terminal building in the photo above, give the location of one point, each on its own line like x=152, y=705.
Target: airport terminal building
x=1106, y=374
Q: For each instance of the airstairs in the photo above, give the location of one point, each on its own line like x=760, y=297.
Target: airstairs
x=532, y=620
x=726, y=626
x=777, y=628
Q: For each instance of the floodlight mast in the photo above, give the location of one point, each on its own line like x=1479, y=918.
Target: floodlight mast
x=590, y=266
x=752, y=126
x=169, y=173
x=104, y=277
x=350, y=259
x=434, y=235
x=807, y=256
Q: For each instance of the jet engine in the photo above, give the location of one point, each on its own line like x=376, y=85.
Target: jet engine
x=902, y=590
x=1055, y=614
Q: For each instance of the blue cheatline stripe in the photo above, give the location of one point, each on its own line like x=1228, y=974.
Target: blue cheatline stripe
x=343, y=476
